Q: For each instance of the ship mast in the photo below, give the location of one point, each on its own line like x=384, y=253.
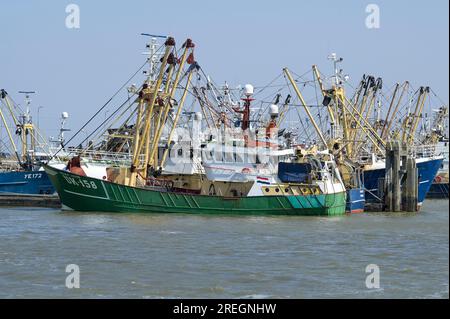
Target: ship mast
x=305, y=106
x=164, y=112
x=27, y=128
x=156, y=100
x=326, y=101
x=388, y=120
x=146, y=102
x=4, y=97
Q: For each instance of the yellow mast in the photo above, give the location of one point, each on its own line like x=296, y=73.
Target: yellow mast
x=391, y=104
x=150, y=94
x=158, y=113
x=187, y=45
x=366, y=131
x=8, y=104
x=177, y=116
x=365, y=86
x=417, y=116
x=302, y=100
x=368, y=100
x=358, y=93
x=364, y=125
x=410, y=118
x=322, y=90
x=137, y=128
x=340, y=98
x=372, y=100
x=390, y=119
x=366, y=95
x=10, y=136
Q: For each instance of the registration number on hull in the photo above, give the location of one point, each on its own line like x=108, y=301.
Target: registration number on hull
x=80, y=182
x=33, y=176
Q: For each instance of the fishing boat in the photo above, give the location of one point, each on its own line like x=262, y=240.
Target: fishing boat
x=428, y=165
x=437, y=134
x=423, y=145
x=356, y=193
x=439, y=188
x=155, y=182
x=21, y=171
x=359, y=134
x=31, y=182
x=309, y=187
x=90, y=194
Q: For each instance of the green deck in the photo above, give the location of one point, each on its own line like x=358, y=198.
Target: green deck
x=89, y=194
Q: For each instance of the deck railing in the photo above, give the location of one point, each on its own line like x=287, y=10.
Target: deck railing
x=422, y=151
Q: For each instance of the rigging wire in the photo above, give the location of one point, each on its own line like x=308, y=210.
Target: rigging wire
x=106, y=104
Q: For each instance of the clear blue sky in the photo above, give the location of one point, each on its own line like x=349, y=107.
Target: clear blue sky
x=238, y=41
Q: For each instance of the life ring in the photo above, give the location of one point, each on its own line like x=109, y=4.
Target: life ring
x=246, y=170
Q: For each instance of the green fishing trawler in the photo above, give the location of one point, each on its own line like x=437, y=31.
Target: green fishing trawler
x=206, y=166
x=82, y=193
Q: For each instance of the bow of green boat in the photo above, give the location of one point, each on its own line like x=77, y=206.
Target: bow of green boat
x=82, y=193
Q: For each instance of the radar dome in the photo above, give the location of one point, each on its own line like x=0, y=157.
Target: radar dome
x=273, y=109
x=248, y=89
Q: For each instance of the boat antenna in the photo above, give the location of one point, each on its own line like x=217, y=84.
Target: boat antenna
x=64, y=117
x=338, y=77
x=153, y=56
x=154, y=35
x=26, y=116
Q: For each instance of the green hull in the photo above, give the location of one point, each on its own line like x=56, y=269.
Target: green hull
x=90, y=194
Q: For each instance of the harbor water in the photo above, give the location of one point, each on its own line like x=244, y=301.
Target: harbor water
x=188, y=256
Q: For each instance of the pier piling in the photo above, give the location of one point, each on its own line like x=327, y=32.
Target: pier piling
x=393, y=177
x=401, y=179
x=410, y=192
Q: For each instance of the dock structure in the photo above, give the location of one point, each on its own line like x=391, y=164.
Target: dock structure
x=410, y=193
x=16, y=200
x=392, y=179
x=401, y=179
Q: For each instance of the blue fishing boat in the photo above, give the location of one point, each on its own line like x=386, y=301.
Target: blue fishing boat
x=427, y=169
x=20, y=163
x=356, y=200
x=440, y=187
x=25, y=182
